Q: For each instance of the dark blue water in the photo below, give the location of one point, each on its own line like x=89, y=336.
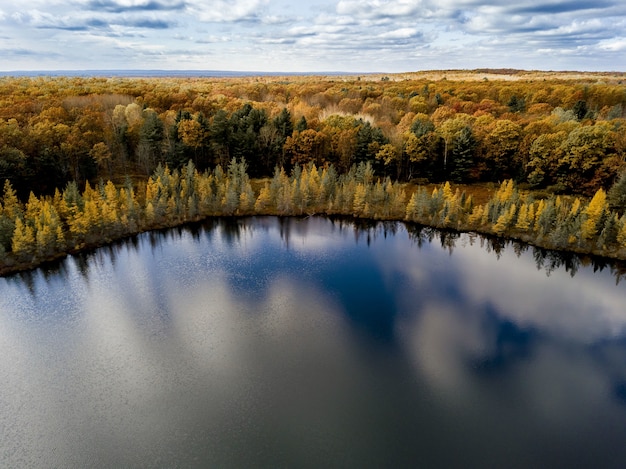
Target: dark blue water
x=311, y=343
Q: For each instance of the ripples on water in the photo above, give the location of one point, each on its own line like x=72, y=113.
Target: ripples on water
x=272, y=342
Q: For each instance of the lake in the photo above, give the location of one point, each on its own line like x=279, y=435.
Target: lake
x=268, y=342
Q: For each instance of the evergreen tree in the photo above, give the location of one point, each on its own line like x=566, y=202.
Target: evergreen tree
x=462, y=162
x=150, y=138
x=360, y=197
x=11, y=206
x=264, y=200
x=301, y=125
x=616, y=197
x=593, y=214
x=610, y=231
x=580, y=109
x=523, y=222
x=23, y=241
x=621, y=234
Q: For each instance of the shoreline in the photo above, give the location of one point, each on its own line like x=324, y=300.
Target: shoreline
x=17, y=267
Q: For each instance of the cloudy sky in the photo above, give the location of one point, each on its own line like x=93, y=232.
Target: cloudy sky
x=312, y=35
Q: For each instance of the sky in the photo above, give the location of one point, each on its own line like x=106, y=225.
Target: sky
x=355, y=36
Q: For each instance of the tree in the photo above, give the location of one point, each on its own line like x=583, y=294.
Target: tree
x=501, y=149
x=303, y=147
x=593, y=215
x=462, y=162
x=616, y=197
x=23, y=241
x=449, y=130
x=517, y=104
x=149, y=150
x=102, y=155
x=544, y=158
x=580, y=109
x=582, y=155
x=221, y=133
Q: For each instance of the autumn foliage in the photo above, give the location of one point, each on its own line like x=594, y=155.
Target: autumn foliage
x=177, y=150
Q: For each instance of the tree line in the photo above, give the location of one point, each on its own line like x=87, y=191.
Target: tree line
x=48, y=226
x=566, y=136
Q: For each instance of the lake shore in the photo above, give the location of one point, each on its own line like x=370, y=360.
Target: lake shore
x=13, y=266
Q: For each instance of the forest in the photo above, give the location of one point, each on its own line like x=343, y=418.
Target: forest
x=528, y=155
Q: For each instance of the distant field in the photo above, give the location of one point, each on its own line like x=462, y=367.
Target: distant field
x=434, y=75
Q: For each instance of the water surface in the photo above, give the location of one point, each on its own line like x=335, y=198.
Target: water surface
x=266, y=342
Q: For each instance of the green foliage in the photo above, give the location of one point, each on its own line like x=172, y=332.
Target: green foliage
x=580, y=109
x=616, y=197
x=517, y=104
x=463, y=147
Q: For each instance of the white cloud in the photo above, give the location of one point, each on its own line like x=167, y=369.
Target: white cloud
x=227, y=11
x=614, y=45
x=370, y=35
x=402, y=33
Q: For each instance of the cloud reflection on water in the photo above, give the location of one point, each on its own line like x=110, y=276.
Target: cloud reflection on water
x=182, y=334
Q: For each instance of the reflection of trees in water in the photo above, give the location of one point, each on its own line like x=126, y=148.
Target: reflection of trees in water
x=545, y=259
x=232, y=229
x=421, y=235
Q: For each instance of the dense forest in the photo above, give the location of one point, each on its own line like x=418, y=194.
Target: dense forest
x=88, y=160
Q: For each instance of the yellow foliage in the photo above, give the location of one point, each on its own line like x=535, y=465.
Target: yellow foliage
x=23, y=238
x=597, y=206
x=476, y=215
x=447, y=191
x=505, y=192
x=575, y=207
x=264, y=199
x=540, y=208
x=522, y=218
x=360, y=195
x=621, y=235
x=504, y=220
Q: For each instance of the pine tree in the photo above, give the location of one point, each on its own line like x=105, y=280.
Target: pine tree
x=264, y=200
x=412, y=207
x=505, y=220
x=33, y=210
x=616, y=197
x=476, y=216
x=546, y=217
x=11, y=206
x=246, y=199
x=593, y=213
x=522, y=218
x=462, y=154
x=621, y=234
x=610, y=231
x=541, y=206
x=23, y=241
x=360, y=196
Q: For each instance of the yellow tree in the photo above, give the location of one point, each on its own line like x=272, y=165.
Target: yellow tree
x=523, y=222
x=593, y=214
x=360, y=195
x=264, y=199
x=109, y=209
x=23, y=240
x=504, y=220
x=10, y=203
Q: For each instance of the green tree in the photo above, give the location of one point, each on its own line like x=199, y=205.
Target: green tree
x=462, y=162
x=149, y=150
x=616, y=197
x=580, y=109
